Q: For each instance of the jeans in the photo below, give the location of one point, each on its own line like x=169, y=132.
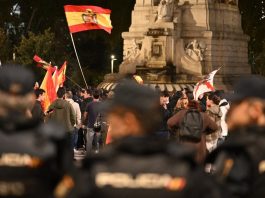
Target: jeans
x=93, y=141
x=74, y=138
x=89, y=139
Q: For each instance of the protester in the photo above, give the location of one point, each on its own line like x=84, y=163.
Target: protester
x=37, y=110
x=137, y=164
x=35, y=158
x=163, y=131
x=62, y=112
x=77, y=125
x=214, y=112
x=193, y=120
x=86, y=95
x=90, y=116
x=224, y=107
x=239, y=161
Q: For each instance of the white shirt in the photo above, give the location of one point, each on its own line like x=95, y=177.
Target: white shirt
x=77, y=111
x=224, y=109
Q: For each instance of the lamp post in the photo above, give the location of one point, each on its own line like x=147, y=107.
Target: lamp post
x=112, y=57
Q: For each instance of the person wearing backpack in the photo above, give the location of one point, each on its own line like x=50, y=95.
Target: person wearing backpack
x=239, y=162
x=192, y=126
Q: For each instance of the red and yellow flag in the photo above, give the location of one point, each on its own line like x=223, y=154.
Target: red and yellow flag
x=82, y=18
x=48, y=86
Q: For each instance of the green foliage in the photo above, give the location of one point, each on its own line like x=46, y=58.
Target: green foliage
x=5, y=51
x=253, y=22
x=41, y=44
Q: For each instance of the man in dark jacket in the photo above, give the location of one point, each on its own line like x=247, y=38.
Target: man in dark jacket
x=35, y=158
x=37, y=111
x=137, y=164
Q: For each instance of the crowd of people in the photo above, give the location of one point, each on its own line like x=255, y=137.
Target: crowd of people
x=136, y=142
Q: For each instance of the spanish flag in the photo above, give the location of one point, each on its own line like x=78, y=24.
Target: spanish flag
x=82, y=18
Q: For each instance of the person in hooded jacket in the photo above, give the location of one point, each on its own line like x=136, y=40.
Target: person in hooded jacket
x=62, y=112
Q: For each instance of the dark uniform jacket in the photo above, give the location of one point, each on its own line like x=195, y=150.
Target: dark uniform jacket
x=144, y=167
x=240, y=162
x=35, y=161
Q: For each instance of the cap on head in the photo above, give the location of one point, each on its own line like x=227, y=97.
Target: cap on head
x=250, y=87
x=16, y=80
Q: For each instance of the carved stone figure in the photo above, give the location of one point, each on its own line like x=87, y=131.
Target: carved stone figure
x=195, y=50
x=132, y=52
x=165, y=10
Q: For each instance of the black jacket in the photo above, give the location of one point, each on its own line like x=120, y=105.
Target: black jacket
x=240, y=162
x=34, y=159
x=144, y=167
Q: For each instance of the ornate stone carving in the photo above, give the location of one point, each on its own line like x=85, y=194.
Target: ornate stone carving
x=195, y=50
x=155, y=76
x=133, y=51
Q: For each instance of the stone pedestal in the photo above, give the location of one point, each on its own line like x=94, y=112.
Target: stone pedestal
x=200, y=37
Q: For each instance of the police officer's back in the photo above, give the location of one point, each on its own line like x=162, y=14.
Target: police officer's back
x=137, y=164
x=240, y=161
x=34, y=158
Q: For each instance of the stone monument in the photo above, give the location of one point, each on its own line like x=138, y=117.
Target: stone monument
x=179, y=41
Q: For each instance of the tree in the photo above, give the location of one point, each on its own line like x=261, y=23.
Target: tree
x=4, y=46
x=253, y=22
x=43, y=44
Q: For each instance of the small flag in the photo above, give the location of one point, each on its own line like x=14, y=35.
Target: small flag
x=205, y=85
x=82, y=18
x=40, y=61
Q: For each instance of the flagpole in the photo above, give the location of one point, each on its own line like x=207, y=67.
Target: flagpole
x=78, y=60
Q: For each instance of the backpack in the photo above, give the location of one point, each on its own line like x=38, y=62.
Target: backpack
x=191, y=126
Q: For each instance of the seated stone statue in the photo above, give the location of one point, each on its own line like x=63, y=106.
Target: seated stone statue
x=165, y=10
x=194, y=50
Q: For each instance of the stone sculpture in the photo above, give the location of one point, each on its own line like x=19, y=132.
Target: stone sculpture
x=194, y=50
x=165, y=10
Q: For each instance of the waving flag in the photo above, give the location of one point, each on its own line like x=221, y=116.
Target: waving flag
x=82, y=18
x=205, y=85
x=48, y=86
x=39, y=61
x=59, y=76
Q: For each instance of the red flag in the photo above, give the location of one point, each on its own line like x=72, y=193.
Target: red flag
x=59, y=76
x=39, y=61
x=82, y=18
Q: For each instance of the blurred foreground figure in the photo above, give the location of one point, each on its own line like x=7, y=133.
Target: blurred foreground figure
x=240, y=161
x=34, y=158
x=137, y=164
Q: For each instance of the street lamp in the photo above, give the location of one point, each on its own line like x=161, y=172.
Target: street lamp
x=112, y=57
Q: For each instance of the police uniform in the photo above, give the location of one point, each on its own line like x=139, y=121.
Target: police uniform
x=145, y=167
x=239, y=163
x=35, y=158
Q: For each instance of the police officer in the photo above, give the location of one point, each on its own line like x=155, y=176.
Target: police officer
x=35, y=159
x=137, y=164
x=240, y=161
